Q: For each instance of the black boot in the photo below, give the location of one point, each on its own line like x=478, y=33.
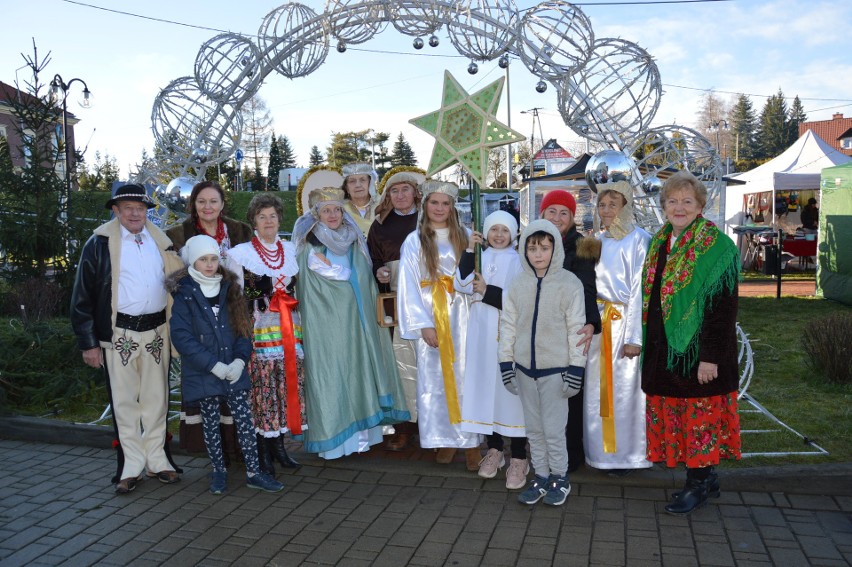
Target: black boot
x=693, y=495
x=279, y=453
x=714, y=490
x=264, y=456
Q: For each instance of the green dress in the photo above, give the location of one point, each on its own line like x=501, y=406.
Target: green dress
x=351, y=380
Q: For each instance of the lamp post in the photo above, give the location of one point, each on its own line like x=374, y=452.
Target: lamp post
x=58, y=88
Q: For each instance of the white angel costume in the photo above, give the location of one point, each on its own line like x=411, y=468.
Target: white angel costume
x=488, y=407
x=614, y=424
x=439, y=389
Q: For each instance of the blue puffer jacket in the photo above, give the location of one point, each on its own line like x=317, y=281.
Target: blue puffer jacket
x=202, y=340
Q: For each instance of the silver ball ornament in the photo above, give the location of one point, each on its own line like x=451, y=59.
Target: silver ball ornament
x=418, y=43
x=341, y=47
x=434, y=41
x=652, y=184
x=540, y=87
x=473, y=68
x=503, y=62
x=608, y=166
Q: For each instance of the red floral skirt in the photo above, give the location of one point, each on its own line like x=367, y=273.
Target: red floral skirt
x=698, y=432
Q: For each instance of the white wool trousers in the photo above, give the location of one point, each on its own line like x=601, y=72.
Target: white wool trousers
x=138, y=368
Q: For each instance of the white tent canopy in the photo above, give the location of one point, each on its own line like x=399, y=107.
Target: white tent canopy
x=796, y=169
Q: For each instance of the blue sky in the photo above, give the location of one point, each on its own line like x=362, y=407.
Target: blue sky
x=750, y=46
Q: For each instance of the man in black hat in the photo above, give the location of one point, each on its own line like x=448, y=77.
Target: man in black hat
x=119, y=314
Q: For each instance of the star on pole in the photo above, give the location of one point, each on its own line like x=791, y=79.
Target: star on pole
x=465, y=128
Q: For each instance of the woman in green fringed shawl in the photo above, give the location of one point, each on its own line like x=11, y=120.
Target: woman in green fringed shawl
x=690, y=371
x=351, y=383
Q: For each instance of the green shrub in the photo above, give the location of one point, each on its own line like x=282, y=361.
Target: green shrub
x=41, y=367
x=828, y=343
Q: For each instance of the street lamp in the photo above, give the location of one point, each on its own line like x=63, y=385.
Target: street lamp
x=59, y=88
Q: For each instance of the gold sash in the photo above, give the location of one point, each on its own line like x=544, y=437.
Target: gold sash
x=610, y=314
x=441, y=314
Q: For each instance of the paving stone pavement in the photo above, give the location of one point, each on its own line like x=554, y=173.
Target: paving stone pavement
x=58, y=508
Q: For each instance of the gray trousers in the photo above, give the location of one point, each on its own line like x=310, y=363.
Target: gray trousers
x=545, y=417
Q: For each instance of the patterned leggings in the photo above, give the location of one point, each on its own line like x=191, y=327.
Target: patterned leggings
x=239, y=405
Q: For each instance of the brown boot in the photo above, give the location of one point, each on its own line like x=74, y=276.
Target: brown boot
x=472, y=458
x=445, y=455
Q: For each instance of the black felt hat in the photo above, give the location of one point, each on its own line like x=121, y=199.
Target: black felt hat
x=131, y=192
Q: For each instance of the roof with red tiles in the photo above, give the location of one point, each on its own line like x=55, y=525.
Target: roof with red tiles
x=832, y=131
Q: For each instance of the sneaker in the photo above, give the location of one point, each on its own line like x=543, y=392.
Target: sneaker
x=218, y=482
x=516, y=474
x=535, y=491
x=558, y=489
x=262, y=481
x=492, y=462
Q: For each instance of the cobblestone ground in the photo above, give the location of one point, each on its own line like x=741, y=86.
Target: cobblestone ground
x=58, y=508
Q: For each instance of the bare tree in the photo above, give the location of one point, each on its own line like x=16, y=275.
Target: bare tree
x=257, y=129
x=712, y=116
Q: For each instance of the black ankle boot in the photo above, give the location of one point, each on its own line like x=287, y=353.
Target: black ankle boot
x=693, y=495
x=714, y=490
x=264, y=456
x=279, y=453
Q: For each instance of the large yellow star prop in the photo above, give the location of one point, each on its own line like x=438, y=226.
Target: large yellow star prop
x=465, y=128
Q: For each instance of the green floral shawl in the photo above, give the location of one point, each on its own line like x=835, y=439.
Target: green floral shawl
x=702, y=264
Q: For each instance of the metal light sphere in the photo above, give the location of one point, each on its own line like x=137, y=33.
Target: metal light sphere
x=416, y=17
x=294, y=39
x=483, y=29
x=608, y=166
x=418, y=43
x=540, y=87
x=341, y=47
x=355, y=21
x=473, y=68
x=554, y=39
x=225, y=68
x=434, y=41
x=503, y=62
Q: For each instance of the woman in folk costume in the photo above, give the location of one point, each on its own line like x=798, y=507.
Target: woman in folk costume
x=488, y=407
x=359, y=190
x=690, y=370
x=351, y=384
x=396, y=218
x=614, y=435
x=266, y=268
x=436, y=316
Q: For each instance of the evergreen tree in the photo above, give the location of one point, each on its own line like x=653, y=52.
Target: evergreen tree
x=276, y=163
x=347, y=147
x=402, y=153
x=288, y=156
x=315, y=158
x=773, y=131
x=743, y=132
x=797, y=116
x=102, y=174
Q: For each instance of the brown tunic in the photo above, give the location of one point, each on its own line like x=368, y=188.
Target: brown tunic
x=385, y=238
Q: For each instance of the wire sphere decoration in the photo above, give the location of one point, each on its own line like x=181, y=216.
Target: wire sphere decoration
x=417, y=18
x=354, y=21
x=227, y=68
x=555, y=39
x=190, y=128
x=671, y=148
x=615, y=96
x=483, y=30
x=293, y=39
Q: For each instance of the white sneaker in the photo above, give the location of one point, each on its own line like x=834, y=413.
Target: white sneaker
x=516, y=474
x=492, y=462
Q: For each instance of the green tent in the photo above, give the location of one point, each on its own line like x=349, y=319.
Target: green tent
x=834, y=266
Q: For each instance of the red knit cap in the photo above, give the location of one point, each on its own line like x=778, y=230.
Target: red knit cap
x=559, y=197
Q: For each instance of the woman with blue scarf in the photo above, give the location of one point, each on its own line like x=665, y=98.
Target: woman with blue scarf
x=351, y=382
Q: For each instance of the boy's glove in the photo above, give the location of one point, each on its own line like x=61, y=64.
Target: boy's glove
x=220, y=371
x=572, y=381
x=235, y=370
x=508, y=374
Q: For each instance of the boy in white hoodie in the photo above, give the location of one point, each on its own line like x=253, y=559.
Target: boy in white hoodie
x=538, y=360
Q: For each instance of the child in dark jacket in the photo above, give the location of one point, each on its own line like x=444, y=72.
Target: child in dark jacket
x=210, y=328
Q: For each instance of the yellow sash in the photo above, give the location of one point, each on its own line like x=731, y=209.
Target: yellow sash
x=610, y=314
x=441, y=314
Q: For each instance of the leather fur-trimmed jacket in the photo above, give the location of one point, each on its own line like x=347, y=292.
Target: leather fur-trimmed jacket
x=581, y=255
x=94, y=299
